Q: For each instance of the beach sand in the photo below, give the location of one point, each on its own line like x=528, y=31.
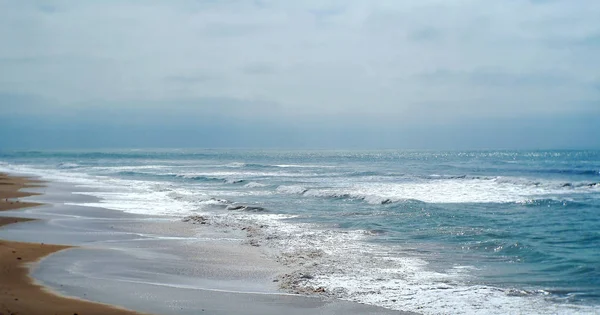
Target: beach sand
x=18, y=293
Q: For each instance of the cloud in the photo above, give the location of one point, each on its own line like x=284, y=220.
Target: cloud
x=592, y=40
x=425, y=34
x=259, y=68
x=190, y=79
x=491, y=78
x=176, y=111
x=377, y=62
x=14, y=103
x=47, y=8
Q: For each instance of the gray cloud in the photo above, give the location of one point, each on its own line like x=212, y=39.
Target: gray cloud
x=47, y=8
x=425, y=34
x=190, y=79
x=592, y=40
x=176, y=111
x=496, y=78
x=259, y=68
x=394, y=62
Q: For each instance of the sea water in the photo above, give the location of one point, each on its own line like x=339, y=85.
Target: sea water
x=488, y=232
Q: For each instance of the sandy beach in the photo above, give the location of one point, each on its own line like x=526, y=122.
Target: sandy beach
x=18, y=293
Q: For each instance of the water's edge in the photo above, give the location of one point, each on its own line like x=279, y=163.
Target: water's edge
x=155, y=264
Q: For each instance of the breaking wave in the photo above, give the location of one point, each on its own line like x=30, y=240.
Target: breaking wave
x=200, y=178
x=456, y=190
x=254, y=185
x=67, y=165
x=292, y=189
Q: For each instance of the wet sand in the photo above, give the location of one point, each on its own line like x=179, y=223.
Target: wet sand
x=18, y=293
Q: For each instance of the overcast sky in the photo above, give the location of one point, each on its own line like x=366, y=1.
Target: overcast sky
x=309, y=74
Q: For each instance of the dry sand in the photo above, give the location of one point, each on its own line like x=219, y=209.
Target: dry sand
x=18, y=293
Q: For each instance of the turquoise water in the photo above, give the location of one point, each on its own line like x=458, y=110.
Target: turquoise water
x=521, y=226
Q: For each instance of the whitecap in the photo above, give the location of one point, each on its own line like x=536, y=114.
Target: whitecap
x=254, y=185
x=292, y=189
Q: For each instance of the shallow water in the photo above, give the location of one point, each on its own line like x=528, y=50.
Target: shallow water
x=434, y=232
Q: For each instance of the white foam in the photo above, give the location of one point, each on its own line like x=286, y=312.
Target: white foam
x=139, y=198
x=241, y=174
x=291, y=189
x=234, y=181
x=133, y=196
x=347, y=267
x=68, y=165
x=254, y=185
x=303, y=166
x=236, y=164
x=76, y=178
x=444, y=191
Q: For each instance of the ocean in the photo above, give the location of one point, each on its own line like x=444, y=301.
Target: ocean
x=452, y=232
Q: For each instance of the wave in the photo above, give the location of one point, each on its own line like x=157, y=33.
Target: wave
x=334, y=194
x=198, y=178
x=497, y=190
x=292, y=189
x=67, y=165
x=434, y=189
x=582, y=185
x=236, y=165
x=234, y=181
x=520, y=181
x=568, y=172
x=260, y=166
x=302, y=166
x=197, y=199
x=254, y=185
x=201, y=178
x=547, y=184
x=371, y=173
x=339, y=264
x=249, y=165
x=340, y=194
x=464, y=176
x=248, y=208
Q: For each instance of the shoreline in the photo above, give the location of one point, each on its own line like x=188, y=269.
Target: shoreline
x=19, y=294
x=148, y=264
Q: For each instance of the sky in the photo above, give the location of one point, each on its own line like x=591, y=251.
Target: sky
x=413, y=74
